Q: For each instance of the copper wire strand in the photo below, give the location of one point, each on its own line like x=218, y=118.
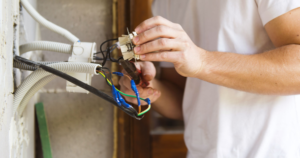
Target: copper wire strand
x=127, y=76
x=140, y=109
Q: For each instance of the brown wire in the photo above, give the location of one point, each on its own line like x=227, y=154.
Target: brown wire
x=140, y=109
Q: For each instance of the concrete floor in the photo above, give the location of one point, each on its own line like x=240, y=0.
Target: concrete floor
x=80, y=125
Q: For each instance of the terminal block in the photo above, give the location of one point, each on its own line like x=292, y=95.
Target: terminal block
x=127, y=47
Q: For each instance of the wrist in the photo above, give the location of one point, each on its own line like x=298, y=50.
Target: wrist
x=203, y=63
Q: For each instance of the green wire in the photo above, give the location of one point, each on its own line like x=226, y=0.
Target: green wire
x=128, y=95
x=143, y=112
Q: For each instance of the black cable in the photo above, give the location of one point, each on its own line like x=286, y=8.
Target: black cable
x=130, y=111
x=99, y=58
x=108, y=51
x=105, y=57
x=109, y=54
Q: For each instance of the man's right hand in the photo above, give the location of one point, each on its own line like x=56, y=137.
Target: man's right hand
x=148, y=74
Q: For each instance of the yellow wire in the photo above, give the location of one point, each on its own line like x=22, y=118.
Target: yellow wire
x=140, y=113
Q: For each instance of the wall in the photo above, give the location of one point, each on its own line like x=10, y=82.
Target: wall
x=6, y=72
x=80, y=125
x=16, y=139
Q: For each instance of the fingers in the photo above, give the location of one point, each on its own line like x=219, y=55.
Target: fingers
x=159, y=45
x=148, y=70
x=148, y=92
x=160, y=31
x=154, y=21
x=167, y=56
x=124, y=81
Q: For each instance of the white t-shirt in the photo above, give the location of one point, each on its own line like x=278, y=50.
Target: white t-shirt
x=223, y=122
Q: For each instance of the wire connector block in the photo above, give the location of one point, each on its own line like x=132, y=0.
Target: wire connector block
x=126, y=47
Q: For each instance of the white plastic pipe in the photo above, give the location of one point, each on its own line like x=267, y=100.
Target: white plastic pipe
x=40, y=84
x=34, y=77
x=47, y=23
x=47, y=46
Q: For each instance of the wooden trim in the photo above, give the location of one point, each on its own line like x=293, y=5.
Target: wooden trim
x=168, y=146
x=124, y=124
x=134, y=139
x=140, y=11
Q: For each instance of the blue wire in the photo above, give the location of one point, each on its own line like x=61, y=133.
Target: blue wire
x=118, y=73
x=123, y=102
x=133, y=87
x=115, y=95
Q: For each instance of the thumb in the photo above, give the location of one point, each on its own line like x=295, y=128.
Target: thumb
x=147, y=69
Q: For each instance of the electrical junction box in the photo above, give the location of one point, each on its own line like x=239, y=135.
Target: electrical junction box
x=81, y=52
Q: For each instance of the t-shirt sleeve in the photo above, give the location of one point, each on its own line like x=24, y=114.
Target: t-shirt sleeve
x=271, y=9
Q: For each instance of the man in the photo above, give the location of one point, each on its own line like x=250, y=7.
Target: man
x=242, y=63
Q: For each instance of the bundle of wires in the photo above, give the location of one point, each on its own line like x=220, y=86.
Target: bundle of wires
x=117, y=97
x=127, y=109
x=106, y=54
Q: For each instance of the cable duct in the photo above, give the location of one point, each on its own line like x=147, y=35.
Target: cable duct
x=24, y=66
x=47, y=46
x=47, y=23
x=38, y=74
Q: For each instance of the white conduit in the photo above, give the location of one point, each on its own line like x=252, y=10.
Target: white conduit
x=40, y=84
x=34, y=77
x=24, y=66
x=46, y=45
x=47, y=23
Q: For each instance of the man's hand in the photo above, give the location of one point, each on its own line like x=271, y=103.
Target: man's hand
x=273, y=72
x=162, y=40
x=148, y=74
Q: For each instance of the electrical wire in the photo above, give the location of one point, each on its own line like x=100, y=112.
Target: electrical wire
x=128, y=95
x=41, y=20
x=106, y=54
x=101, y=50
x=130, y=111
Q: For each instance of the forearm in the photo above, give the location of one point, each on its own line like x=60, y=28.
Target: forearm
x=273, y=72
x=170, y=102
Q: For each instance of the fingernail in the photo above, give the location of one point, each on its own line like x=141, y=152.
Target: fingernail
x=137, y=30
x=142, y=56
x=150, y=91
x=136, y=39
x=137, y=49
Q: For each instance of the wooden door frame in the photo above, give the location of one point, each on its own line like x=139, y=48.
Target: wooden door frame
x=133, y=136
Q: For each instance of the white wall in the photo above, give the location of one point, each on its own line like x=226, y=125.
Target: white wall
x=6, y=73
x=89, y=131
x=10, y=138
